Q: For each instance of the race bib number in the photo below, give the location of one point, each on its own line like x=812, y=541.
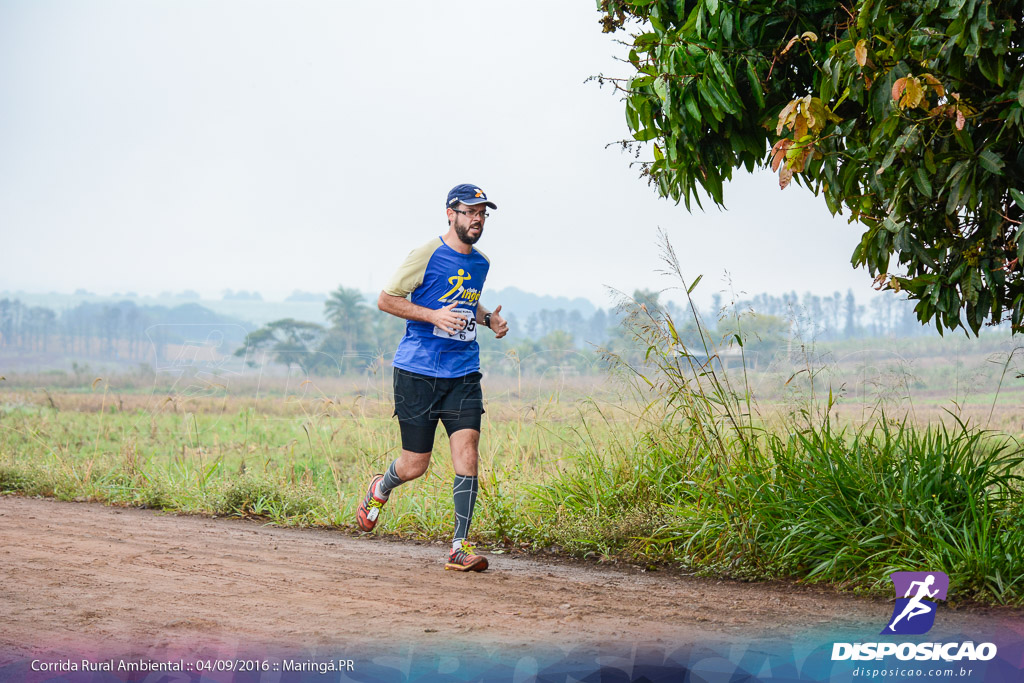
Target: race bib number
x=467, y=334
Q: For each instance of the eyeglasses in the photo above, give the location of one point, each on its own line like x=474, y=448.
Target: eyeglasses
x=473, y=214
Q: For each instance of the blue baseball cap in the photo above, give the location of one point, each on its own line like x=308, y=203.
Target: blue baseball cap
x=468, y=195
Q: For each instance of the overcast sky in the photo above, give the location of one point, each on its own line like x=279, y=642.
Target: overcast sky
x=273, y=146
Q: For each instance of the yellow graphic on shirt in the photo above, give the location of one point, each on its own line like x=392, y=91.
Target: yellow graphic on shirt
x=456, y=282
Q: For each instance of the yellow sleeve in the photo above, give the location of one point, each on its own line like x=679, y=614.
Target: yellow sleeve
x=409, y=275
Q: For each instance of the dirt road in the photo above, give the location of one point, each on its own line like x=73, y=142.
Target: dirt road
x=85, y=576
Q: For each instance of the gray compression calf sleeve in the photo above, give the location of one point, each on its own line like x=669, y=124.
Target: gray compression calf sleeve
x=464, y=497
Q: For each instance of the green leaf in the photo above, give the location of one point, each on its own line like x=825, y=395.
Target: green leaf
x=755, y=83
x=991, y=162
x=719, y=97
x=929, y=161
x=972, y=286
x=691, y=21
x=661, y=88
x=689, y=290
x=645, y=39
x=727, y=26
x=1018, y=197
x=646, y=134
x=690, y=102
x=889, y=158
x=712, y=6
x=714, y=104
x=632, y=119
x=722, y=73
x=922, y=181
x=713, y=184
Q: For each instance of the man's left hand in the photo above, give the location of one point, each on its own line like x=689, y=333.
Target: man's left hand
x=498, y=324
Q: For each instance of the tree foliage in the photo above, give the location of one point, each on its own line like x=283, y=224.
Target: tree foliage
x=906, y=116
x=357, y=336
x=290, y=341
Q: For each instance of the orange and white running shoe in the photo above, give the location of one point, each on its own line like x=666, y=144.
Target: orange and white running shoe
x=369, y=509
x=465, y=560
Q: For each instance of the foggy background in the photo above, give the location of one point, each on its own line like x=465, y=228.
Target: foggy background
x=156, y=147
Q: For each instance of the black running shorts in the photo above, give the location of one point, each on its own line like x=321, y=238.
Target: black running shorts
x=422, y=400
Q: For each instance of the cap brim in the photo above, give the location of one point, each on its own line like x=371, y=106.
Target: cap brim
x=471, y=202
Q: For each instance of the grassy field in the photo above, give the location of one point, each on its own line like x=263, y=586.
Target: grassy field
x=297, y=456
x=838, y=467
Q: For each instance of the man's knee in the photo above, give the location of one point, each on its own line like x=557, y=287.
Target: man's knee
x=465, y=445
x=412, y=465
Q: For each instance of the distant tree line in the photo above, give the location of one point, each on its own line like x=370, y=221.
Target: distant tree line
x=122, y=331
x=833, y=317
x=357, y=333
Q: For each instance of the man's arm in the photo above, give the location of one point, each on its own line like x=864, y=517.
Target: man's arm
x=498, y=324
x=401, y=307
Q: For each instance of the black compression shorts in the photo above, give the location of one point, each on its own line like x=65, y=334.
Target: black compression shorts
x=422, y=400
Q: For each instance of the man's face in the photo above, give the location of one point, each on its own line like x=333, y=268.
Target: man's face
x=469, y=222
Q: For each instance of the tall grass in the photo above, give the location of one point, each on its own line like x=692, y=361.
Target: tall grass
x=711, y=485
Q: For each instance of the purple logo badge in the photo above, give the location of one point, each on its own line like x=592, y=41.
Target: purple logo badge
x=914, y=612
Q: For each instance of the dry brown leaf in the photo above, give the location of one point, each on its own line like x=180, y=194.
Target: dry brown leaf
x=898, y=87
x=779, y=152
x=785, y=114
x=785, y=176
x=861, y=52
x=800, y=126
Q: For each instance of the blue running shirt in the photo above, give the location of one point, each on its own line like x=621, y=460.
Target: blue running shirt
x=437, y=275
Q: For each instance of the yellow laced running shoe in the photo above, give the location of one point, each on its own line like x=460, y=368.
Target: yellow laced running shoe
x=466, y=560
x=369, y=509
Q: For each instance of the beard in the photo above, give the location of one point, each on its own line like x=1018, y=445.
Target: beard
x=463, y=233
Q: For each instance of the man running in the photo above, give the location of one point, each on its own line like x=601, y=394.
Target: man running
x=437, y=365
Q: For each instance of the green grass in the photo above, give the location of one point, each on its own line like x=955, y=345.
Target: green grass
x=686, y=470
x=813, y=505
x=656, y=485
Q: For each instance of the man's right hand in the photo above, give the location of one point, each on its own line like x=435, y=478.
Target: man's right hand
x=448, y=320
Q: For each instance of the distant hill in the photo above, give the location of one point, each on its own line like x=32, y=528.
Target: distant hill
x=256, y=312
x=251, y=312
x=522, y=304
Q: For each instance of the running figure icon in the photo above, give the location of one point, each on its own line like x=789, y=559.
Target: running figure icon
x=915, y=607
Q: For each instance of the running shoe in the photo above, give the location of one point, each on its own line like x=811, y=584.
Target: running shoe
x=369, y=509
x=465, y=560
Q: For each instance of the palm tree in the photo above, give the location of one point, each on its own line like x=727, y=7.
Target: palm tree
x=349, y=315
